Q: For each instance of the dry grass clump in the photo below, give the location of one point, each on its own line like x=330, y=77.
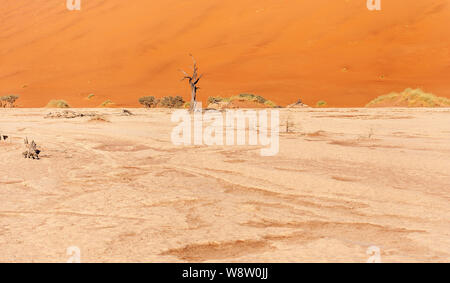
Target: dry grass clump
x=99, y=119
x=409, y=98
x=187, y=105
x=57, y=103
x=322, y=103
x=107, y=103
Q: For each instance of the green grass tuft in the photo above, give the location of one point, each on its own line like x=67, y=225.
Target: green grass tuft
x=106, y=103
x=322, y=103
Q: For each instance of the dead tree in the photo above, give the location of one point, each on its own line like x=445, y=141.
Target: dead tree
x=193, y=81
x=31, y=150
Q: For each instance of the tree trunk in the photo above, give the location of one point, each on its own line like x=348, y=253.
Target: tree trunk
x=193, y=98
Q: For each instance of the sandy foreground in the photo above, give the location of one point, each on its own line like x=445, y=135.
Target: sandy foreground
x=344, y=180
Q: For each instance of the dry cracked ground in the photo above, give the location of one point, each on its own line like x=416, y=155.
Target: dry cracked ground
x=344, y=180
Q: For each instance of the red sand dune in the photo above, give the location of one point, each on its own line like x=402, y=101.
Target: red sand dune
x=337, y=51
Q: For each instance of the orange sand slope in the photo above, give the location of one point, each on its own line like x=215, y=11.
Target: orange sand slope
x=337, y=51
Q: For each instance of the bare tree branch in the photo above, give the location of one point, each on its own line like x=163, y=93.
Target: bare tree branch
x=196, y=82
x=186, y=74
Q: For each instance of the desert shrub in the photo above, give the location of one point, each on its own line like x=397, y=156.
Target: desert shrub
x=57, y=103
x=270, y=103
x=260, y=99
x=165, y=101
x=171, y=102
x=322, y=103
x=247, y=96
x=178, y=101
x=148, y=101
x=90, y=96
x=250, y=97
x=8, y=101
